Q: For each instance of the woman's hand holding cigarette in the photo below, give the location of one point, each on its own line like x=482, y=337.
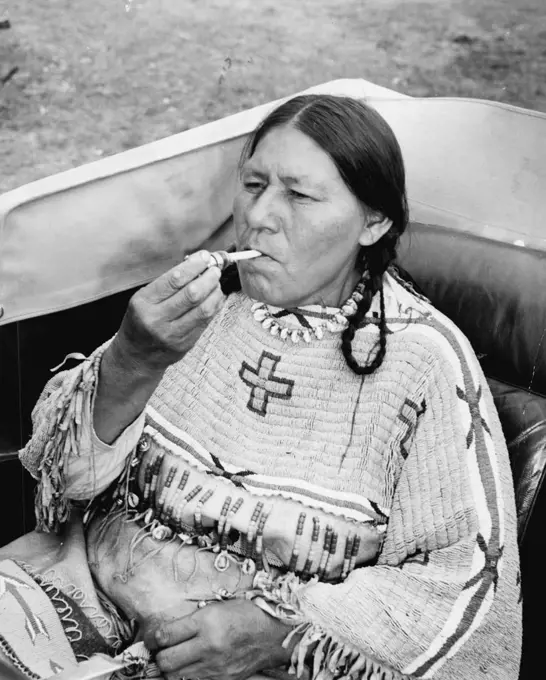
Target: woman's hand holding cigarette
x=163, y=321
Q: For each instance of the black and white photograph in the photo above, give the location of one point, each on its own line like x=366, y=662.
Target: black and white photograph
x=272, y=339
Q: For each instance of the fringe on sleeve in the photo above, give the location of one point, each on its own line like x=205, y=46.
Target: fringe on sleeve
x=319, y=651
x=57, y=433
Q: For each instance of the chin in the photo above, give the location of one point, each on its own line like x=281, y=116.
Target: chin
x=271, y=298
x=261, y=291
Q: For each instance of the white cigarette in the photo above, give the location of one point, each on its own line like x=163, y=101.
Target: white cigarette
x=222, y=259
x=244, y=255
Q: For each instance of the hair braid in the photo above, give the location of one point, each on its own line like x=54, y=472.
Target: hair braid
x=377, y=264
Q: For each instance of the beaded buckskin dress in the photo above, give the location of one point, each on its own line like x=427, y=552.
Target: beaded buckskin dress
x=373, y=514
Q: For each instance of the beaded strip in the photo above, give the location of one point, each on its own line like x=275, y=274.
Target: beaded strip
x=249, y=566
x=354, y=553
x=225, y=526
x=331, y=551
x=221, y=563
x=172, y=505
x=325, y=551
x=296, y=547
x=231, y=515
x=155, y=476
x=312, y=548
x=347, y=556
x=165, y=501
x=223, y=516
x=148, y=473
x=254, y=521
x=150, y=476
x=228, y=522
x=178, y=513
x=260, y=540
x=164, y=492
x=198, y=513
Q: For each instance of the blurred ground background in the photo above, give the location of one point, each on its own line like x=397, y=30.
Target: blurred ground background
x=95, y=77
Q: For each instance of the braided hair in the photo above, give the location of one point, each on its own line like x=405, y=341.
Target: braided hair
x=369, y=160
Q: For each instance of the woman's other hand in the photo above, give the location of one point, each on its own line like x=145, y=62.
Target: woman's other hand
x=228, y=641
x=164, y=319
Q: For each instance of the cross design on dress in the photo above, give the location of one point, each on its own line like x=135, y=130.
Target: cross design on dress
x=299, y=316
x=476, y=417
x=409, y=422
x=491, y=567
x=264, y=384
x=221, y=471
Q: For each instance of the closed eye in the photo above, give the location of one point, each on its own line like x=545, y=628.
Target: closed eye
x=298, y=194
x=253, y=186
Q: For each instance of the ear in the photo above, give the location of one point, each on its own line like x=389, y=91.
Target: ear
x=375, y=227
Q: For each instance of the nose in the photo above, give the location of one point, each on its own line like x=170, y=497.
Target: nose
x=264, y=211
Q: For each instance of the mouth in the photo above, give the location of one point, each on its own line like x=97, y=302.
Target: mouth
x=263, y=256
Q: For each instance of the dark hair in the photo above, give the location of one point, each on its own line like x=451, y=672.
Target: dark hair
x=369, y=159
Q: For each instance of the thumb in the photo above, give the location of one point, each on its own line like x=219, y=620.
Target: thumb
x=148, y=634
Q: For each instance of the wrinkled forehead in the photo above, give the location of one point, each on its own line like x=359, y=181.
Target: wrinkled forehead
x=289, y=154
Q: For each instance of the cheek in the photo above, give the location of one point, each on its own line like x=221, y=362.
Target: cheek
x=254, y=286
x=239, y=208
x=339, y=234
x=315, y=238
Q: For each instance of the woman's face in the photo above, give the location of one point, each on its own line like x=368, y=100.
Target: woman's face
x=294, y=207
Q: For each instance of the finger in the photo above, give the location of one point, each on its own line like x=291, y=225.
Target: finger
x=175, y=632
x=201, y=313
x=193, y=294
x=176, y=278
x=180, y=657
x=149, y=638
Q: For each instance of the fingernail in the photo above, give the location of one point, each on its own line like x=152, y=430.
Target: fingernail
x=205, y=256
x=160, y=637
x=217, y=272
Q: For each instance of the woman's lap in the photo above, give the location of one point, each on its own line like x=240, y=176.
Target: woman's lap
x=52, y=612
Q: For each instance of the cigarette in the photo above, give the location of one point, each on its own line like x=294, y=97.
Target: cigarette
x=222, y=258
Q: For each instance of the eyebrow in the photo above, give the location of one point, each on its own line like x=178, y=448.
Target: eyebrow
x=289, y=179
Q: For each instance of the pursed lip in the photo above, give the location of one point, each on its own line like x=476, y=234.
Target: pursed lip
x=263, y=252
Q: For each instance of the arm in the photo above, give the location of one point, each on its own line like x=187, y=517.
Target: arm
x=85, y=427
x=124, y=388
x=64, y=453
x=437, y=575
x=163, y=321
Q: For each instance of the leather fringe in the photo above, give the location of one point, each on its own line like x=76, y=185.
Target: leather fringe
x=319, y=652
x=74, y=397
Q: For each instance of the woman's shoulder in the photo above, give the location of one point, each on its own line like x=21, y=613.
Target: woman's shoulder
x=412, y=320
